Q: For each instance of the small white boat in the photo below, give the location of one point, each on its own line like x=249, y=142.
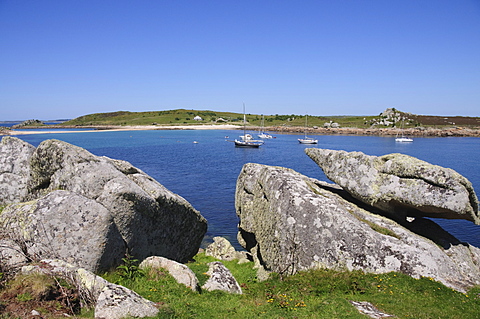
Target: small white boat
x=264, y=135
x=306, y=139
x=261, y=133
x=403, y=139
x=246, y=137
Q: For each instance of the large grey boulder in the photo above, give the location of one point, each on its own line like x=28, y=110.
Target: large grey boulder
x=400, y=185
x=14, y=169
x=151, y=220
x=290, y=222
x=64, y=225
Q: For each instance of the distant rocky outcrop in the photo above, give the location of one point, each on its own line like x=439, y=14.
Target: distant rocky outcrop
x=290, y=222
x=66, y=200
x=401, y=185
x=28, y=123
x=392, y=117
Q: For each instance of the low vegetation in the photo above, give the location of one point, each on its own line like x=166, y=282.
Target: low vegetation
x=187, y=117
x=309, y=294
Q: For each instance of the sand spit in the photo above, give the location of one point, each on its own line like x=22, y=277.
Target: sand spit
x=83, y=129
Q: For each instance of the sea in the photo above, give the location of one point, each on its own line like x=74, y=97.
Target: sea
x=202, y=166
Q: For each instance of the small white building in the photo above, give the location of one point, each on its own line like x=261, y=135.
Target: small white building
x=331, y=124
x=198, y=118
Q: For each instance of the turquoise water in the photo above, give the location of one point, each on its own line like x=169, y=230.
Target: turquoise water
x=205, y=173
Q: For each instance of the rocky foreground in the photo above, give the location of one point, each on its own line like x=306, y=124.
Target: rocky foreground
x=374, y=222
x=64, y=202
x=71, y=213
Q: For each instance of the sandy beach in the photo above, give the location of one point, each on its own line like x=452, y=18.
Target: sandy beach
x=121, y=128
x=414, y=132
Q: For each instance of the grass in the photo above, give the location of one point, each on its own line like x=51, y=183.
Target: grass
x=309, y=294
x=186, y=117
x=317, y=293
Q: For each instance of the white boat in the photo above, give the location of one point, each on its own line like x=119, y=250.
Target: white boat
x=246, y=140
x=262, y=134
x=403, y=138
x=306, y=139
x=246, y=137
x=252, y=143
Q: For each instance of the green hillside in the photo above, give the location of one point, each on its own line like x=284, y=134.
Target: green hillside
x=185, y=117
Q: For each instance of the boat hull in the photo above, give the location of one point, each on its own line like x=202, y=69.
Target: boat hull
x=265, y=135
x=307, y=141
x=252, y=144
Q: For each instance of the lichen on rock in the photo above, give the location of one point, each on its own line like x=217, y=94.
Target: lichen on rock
x=400, y=185
x=290, y=222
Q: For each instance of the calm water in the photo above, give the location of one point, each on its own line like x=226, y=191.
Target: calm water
x=205, y=173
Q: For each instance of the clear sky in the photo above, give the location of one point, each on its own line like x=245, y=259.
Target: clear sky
x=64, y=59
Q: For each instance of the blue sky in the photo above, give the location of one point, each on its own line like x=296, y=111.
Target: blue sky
x=64, y=59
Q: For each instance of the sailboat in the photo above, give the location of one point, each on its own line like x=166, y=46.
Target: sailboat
x=306, y=139
x=403, y=138
x=262, y=134
x=247, y=139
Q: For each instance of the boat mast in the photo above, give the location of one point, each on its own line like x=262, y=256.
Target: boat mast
x=305, y=129
x=244, y=121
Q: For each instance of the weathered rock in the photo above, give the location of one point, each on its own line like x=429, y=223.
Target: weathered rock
x=28, y=123
x=151, y=220
x=400, y=185
x=14, y=169
x=180, y=272
x=368, y=309
x=118, y=302
x=221, y=279
x=221, y=249
x=111, y=301
x=64, y=225
x=291, y=222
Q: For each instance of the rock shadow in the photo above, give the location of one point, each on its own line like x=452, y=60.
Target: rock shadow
x=419, y=225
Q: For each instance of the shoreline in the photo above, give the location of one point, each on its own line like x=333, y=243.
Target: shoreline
x=413, y=132
x=114, y=128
